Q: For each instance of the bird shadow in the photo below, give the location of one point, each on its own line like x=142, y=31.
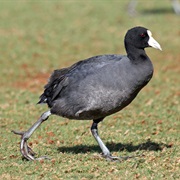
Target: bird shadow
x=114, y=147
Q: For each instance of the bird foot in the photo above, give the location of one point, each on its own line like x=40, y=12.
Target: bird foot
x=109, y=157
x=26, y=151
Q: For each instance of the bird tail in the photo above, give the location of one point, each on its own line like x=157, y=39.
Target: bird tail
x=43, y=99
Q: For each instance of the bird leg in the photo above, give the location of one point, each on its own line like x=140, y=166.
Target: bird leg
x=105, y=150
x=26, y=151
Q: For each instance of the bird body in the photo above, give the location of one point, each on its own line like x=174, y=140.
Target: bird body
x=97, y=87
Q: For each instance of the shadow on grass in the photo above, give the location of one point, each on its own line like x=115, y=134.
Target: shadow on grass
x=158, y=11
x=148, y=146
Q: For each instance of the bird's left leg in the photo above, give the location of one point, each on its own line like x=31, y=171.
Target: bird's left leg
x=26, y=151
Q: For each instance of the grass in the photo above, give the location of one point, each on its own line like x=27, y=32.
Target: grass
x=37, y=37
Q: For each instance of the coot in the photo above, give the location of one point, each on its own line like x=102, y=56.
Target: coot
x=97, y=87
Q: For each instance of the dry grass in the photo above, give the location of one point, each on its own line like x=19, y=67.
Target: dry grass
x=37, y=37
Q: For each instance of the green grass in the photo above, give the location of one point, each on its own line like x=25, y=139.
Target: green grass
x=37, y=37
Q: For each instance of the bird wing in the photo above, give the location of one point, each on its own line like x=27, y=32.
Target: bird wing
x=62, y=77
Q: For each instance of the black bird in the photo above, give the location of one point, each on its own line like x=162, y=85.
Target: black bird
x=97, y=87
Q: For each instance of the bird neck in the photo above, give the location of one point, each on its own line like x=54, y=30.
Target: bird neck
x=136, y=55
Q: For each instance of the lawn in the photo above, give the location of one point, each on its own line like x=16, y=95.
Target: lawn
x=37, y=37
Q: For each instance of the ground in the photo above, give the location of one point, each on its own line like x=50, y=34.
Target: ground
x=38, y=37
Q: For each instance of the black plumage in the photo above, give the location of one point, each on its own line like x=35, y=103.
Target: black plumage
x=94, y=88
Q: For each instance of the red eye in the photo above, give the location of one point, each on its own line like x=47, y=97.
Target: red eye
x=142, y=35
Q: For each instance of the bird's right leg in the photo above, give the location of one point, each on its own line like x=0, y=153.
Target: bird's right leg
x=26, y=151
